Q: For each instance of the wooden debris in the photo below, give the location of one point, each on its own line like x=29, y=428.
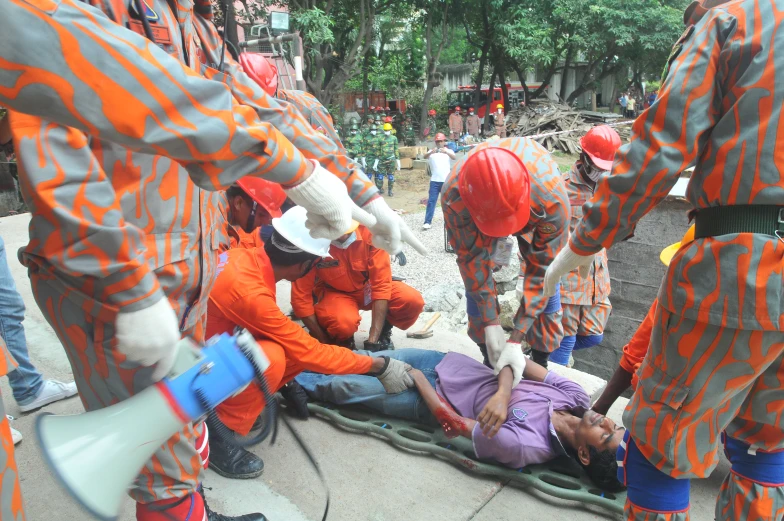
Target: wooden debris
x=544, y=117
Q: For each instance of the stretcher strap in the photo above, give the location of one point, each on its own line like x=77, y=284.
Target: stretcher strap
x=561, y=478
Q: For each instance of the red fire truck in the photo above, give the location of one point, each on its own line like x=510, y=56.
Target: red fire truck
x=464, y=97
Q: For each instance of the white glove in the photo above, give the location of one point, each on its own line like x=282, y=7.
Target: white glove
x=512, y=356
x=398, y=165
x=330, y=209
x=396, y=377
x=364, y=163
x=495, y=340
x=149, y=336
x=389, y=229
x=564, y=262
x=375, y=164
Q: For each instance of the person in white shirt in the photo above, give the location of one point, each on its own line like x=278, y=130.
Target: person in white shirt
x=439, y=163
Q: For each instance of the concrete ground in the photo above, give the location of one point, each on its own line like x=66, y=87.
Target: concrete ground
x=368, y=478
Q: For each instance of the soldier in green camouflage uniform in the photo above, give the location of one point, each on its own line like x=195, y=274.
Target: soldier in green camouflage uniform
x=388, y=159
x=364, y=131
x=371, y=149
x=409, y=133
x=355, y=146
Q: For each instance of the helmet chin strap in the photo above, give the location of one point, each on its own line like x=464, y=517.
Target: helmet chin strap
x=251, y=224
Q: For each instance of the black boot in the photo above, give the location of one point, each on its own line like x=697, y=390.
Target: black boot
x=231, y=461
x=385, y=337
x=214, y=516
x=296, y=398
x=540, y=357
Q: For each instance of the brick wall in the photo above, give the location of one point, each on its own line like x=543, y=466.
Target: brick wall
x=636, y=273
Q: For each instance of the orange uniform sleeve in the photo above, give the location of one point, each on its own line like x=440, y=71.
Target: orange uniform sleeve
x=379, y=270
x=634, y=352
x=261, y=315
x=302, y=295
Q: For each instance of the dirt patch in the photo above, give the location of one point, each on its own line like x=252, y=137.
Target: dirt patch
x=411, y=187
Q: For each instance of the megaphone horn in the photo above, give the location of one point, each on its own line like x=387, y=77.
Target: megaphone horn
x=97, y=455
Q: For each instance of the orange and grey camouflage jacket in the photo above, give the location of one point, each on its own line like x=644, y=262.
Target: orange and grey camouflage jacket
x=115, y=220
x=720, y=109
x=596, y=286
x=539, y=242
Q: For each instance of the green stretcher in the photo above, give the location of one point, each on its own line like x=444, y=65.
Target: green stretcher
x=562, y=478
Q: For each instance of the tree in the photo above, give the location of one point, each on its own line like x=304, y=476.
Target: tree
x=437, y=35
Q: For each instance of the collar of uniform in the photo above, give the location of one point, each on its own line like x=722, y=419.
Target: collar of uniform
x=265, y=266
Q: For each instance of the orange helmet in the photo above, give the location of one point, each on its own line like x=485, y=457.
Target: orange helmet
x=495, y=187
x=431, y=112
x=260, y=70
x=440, y=137
x=600, y=144
x=268, y=194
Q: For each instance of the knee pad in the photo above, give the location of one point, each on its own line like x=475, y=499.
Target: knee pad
x=764, y=468
x=561, y=355
x=586, y=341
x=648, y=488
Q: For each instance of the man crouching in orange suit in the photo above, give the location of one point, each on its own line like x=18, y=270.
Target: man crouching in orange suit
x=244, y=296
x=358, y=276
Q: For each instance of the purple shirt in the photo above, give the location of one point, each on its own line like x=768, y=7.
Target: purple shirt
x=527, y=437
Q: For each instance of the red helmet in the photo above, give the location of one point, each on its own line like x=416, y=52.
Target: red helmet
x=388, y=119
x=261, y=70
x=457, y=109
x=600, y=144
x=495, y=187
x=440, y=137
x=431, y=112
x=372, y=107
x=388, y=109
x=268, y=194
x=470, y=109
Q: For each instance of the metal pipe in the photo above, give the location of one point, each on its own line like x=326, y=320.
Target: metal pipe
x=296, y=40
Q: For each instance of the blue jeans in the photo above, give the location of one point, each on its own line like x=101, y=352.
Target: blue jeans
x=26, y=381
x=432, y=200
x=365, y=390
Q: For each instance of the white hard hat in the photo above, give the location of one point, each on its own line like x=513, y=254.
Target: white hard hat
x=291, y=225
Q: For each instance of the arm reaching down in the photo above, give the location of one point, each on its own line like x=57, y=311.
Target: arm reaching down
x=452, y=423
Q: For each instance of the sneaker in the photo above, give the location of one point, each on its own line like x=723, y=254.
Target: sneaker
x=426, y=226
x=15, y=434
x=52, y=391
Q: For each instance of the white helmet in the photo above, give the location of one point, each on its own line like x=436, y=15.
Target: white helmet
x=291, y=225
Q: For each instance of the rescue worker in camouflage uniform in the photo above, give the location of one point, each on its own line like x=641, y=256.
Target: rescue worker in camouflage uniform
x=103, y=302
x=586, y=300
x=508, y=187
x=430, y=128
x=11, y=502
x=409, y=133
x=355, y=146
x=387, y=160
x=713, y=374
x=365, y=128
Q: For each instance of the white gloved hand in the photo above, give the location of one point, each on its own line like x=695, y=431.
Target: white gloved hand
x=149, y=336
x=396, y=377
x=375, y=164
x=389, y=229
x=564, y=262
x=495, y=340
x=364, y=163
x=330, y=209
x=398, y=165
x=512, y=356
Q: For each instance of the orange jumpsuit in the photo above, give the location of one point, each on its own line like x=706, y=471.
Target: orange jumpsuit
x=244, y=295
x=337, y=288
x=10, y=490
x=123, y=208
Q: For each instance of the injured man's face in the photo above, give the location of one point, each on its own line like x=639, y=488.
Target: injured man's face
x=599, y=432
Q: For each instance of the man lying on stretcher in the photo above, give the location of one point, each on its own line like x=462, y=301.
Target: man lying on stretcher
x=543, y=417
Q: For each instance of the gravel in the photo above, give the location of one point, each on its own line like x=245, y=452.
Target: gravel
x=438, y=267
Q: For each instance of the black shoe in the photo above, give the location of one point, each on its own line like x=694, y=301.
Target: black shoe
x=540, y=357
x=214, y=516
x=385, y=337
x=296, y=398
x=390, y=194
x=374, y=347
x=347, y=343
x=233, y=462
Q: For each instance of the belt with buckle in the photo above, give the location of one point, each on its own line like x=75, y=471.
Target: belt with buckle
x=753, y=218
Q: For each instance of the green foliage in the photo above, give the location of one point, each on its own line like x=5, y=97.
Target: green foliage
x=314, y=25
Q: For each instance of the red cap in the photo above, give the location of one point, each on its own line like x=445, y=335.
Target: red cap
x=495, y=187
x=600, y=144
x=268, y=194
x=431, y=112
x=260, y=70
x=440, y=137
